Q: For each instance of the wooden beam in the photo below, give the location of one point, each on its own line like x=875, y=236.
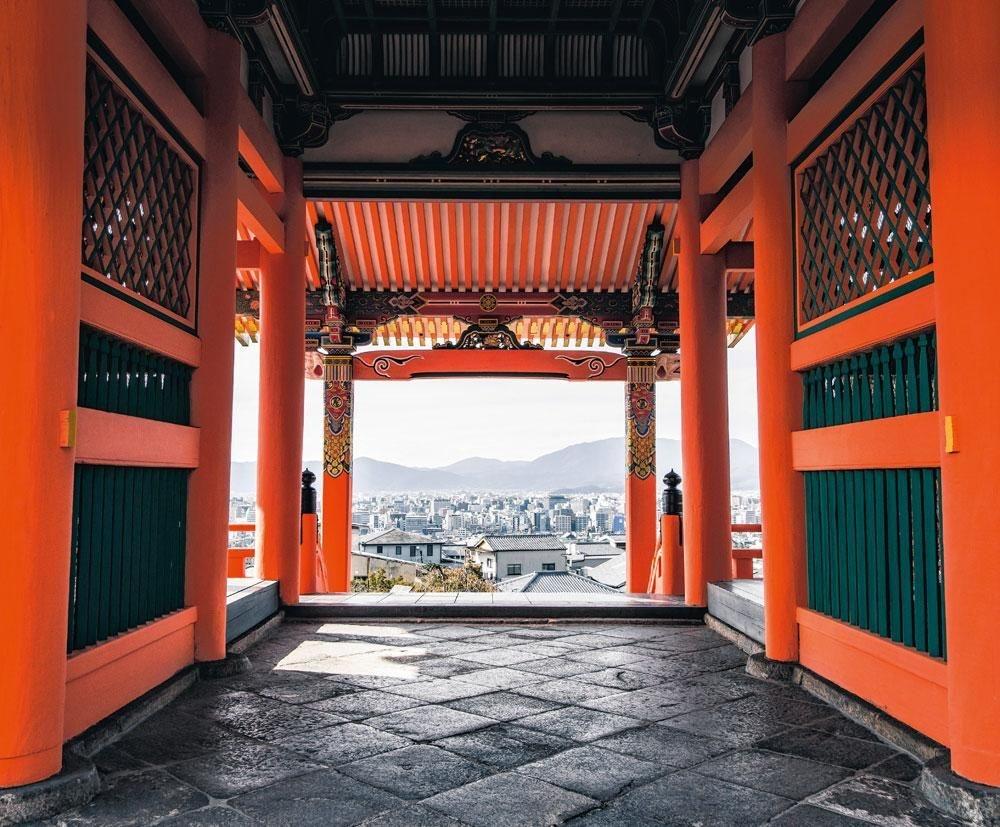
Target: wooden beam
x=728, y=148
x=105, y=311
x=116, y=439
x=572, y=365
x=895, y=442
x=259, y=216
x=259, y=147
x=728, y=221
x=737, y=257
x=249, y=255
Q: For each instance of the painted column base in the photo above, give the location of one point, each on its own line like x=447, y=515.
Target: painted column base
x=76, y=784
x=966, y=800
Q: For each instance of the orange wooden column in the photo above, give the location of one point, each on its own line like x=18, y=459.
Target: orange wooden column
x=701, y=285
x=212, y=383
x=338, y=438
x=963, y=117
x=42, y=64
x=640, y=467
x=282, y=391
x=779, y=388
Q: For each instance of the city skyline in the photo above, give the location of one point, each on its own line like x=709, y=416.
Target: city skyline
x=435, y=423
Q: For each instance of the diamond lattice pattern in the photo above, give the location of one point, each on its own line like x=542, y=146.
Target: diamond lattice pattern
x=138, y=198
x=864, y=209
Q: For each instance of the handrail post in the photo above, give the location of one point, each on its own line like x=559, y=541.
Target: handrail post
x=308, y=533
x=671, y=539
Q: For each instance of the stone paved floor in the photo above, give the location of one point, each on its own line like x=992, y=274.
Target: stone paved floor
x=484, y=724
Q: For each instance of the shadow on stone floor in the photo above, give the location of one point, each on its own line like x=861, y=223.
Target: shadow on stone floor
x=488, y=724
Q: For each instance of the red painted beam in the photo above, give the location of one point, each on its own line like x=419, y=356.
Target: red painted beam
x=574, y=365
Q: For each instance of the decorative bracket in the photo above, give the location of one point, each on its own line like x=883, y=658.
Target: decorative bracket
x=492, y=141
x=488, y=334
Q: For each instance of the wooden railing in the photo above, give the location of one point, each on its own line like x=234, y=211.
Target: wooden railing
x=238, y=555
x=743, y=557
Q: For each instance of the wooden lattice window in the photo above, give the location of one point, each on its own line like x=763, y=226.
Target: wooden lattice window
x=139, y=197
x=864, y=213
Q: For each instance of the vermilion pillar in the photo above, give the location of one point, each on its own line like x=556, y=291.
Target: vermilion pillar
x=640, y=479
x=41, y=174
x=338, y=438
x=779, y=388
x=704, y=402
x=282, y=390
x=212, y=383
x=963, y=118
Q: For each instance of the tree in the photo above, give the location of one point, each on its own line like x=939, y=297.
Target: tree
x=376, y=581
x=436, y=578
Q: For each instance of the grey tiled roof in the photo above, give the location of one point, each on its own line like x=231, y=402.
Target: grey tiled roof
x=610, y=572
x=521, y=542
x=394, y=536
x=553, y=581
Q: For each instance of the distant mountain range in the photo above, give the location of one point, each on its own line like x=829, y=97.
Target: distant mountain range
x=584, y=467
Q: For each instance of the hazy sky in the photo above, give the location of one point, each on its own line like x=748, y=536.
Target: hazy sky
x=434, y=422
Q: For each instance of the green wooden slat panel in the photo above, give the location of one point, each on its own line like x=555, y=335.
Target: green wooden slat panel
x=830, y=508
x=925, y=374
x=898, y=379
x=929, y=563
x=874, y=553
x=919, y=572
x=939, y=554
x=910, y=352
x=850, y=546
x=128, y=546
x=115, y=551
x=861, y=543
x=877, y=546
x=74, y=561
x=888, y=404
x=117, y=376
x=877, y=393
x=811, y=541
x=893, y=564
x=101, y=376
x=905, y=555
x=843, y=555
x=865, y=391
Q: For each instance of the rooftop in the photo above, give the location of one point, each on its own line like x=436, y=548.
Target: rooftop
x=610, y=572
x=520, y=542
x=395, y=536
x=553, y=582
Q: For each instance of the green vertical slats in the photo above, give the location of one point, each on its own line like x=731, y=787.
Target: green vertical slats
x=939, y=561
x=919, y=573
x=128, y=546
x=890, y=380
x=120, y=377
x=74, y=561
x=905, y=555
x=115, y=550
x=874, y=552
x=842, y=556
x=856, y=482
x=850, y=539
x=929, y=562
x=876, y=535
x=909, y=352
x=893, y=565
x=829, y=513
x=812, y=501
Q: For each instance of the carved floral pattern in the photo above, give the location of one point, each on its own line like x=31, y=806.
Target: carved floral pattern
x=640, y=419
x=337, y=405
